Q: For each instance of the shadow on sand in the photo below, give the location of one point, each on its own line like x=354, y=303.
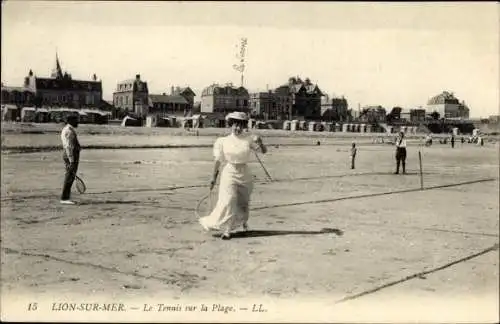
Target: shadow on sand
x=261, y=233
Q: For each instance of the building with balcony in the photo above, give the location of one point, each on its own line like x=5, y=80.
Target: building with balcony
x=132, y=96
x=224, y=99
x=406, y=115
x=334, y=109
x=447, y=106
x=179, y=102
x=50, y=96
x=373, y=114
x=18, y=96
x=300, y=99
x=58, y=90
x=263, y=105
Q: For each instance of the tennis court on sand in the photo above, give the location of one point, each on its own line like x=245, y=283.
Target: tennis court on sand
x=320, y=230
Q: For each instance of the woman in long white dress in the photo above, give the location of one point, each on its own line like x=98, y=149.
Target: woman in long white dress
x=232, y=153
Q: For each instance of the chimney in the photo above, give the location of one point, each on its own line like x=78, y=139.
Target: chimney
x=172, y=90
x=164, y=94
x=137, y=76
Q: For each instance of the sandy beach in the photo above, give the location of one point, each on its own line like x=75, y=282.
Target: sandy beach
x=319, y=231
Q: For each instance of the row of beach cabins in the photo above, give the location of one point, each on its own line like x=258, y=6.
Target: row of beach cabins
x=53, y=115
x=96, y=116
x=315, y=126
x=200, y=121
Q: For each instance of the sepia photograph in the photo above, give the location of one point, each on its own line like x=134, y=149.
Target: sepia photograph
x=250, y=161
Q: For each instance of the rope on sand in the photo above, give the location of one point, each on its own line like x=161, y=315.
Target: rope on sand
x=420, y=275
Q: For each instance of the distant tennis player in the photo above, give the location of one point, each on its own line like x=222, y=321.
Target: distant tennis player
x=400, y=152
x=236, y=182
x=354, y=150
x=71, y=156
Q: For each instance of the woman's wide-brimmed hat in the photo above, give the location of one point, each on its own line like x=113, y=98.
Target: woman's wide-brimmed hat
x=237, y=115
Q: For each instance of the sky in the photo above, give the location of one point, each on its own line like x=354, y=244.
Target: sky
x=389, y=54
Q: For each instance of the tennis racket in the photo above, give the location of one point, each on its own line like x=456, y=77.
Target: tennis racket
x=206, y=204
x=80, y=185
x=269, y=178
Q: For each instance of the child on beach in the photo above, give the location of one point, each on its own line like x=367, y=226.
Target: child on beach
x=353, y=155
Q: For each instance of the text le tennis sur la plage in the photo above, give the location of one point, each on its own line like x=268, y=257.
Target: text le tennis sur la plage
x=149, y=307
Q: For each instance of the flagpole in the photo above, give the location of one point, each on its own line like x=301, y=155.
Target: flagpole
x=241, y=56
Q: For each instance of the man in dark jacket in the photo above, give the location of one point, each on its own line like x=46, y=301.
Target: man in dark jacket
x=400, y=152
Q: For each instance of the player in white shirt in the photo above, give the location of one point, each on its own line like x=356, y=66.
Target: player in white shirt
x=71, y=156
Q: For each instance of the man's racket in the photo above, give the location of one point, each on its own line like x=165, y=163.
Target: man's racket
x=206, y=204
x=80, y=185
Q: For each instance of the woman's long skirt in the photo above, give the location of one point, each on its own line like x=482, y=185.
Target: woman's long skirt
x=232, y=208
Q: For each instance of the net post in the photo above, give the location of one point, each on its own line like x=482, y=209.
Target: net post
x=421, y=173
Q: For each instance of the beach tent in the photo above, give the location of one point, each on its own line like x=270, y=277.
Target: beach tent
x=94, y=116
x=84, y=117
x=330, y=127
x=165, y=122
x=42, y=115
x=311, y=126
x=187, y=122
x=9, y=112
x=58, y=115
x=129, y=121
x=152, y=120
x=197, y=121
x=260, y=125
x=28, y=114
x=321, y=126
